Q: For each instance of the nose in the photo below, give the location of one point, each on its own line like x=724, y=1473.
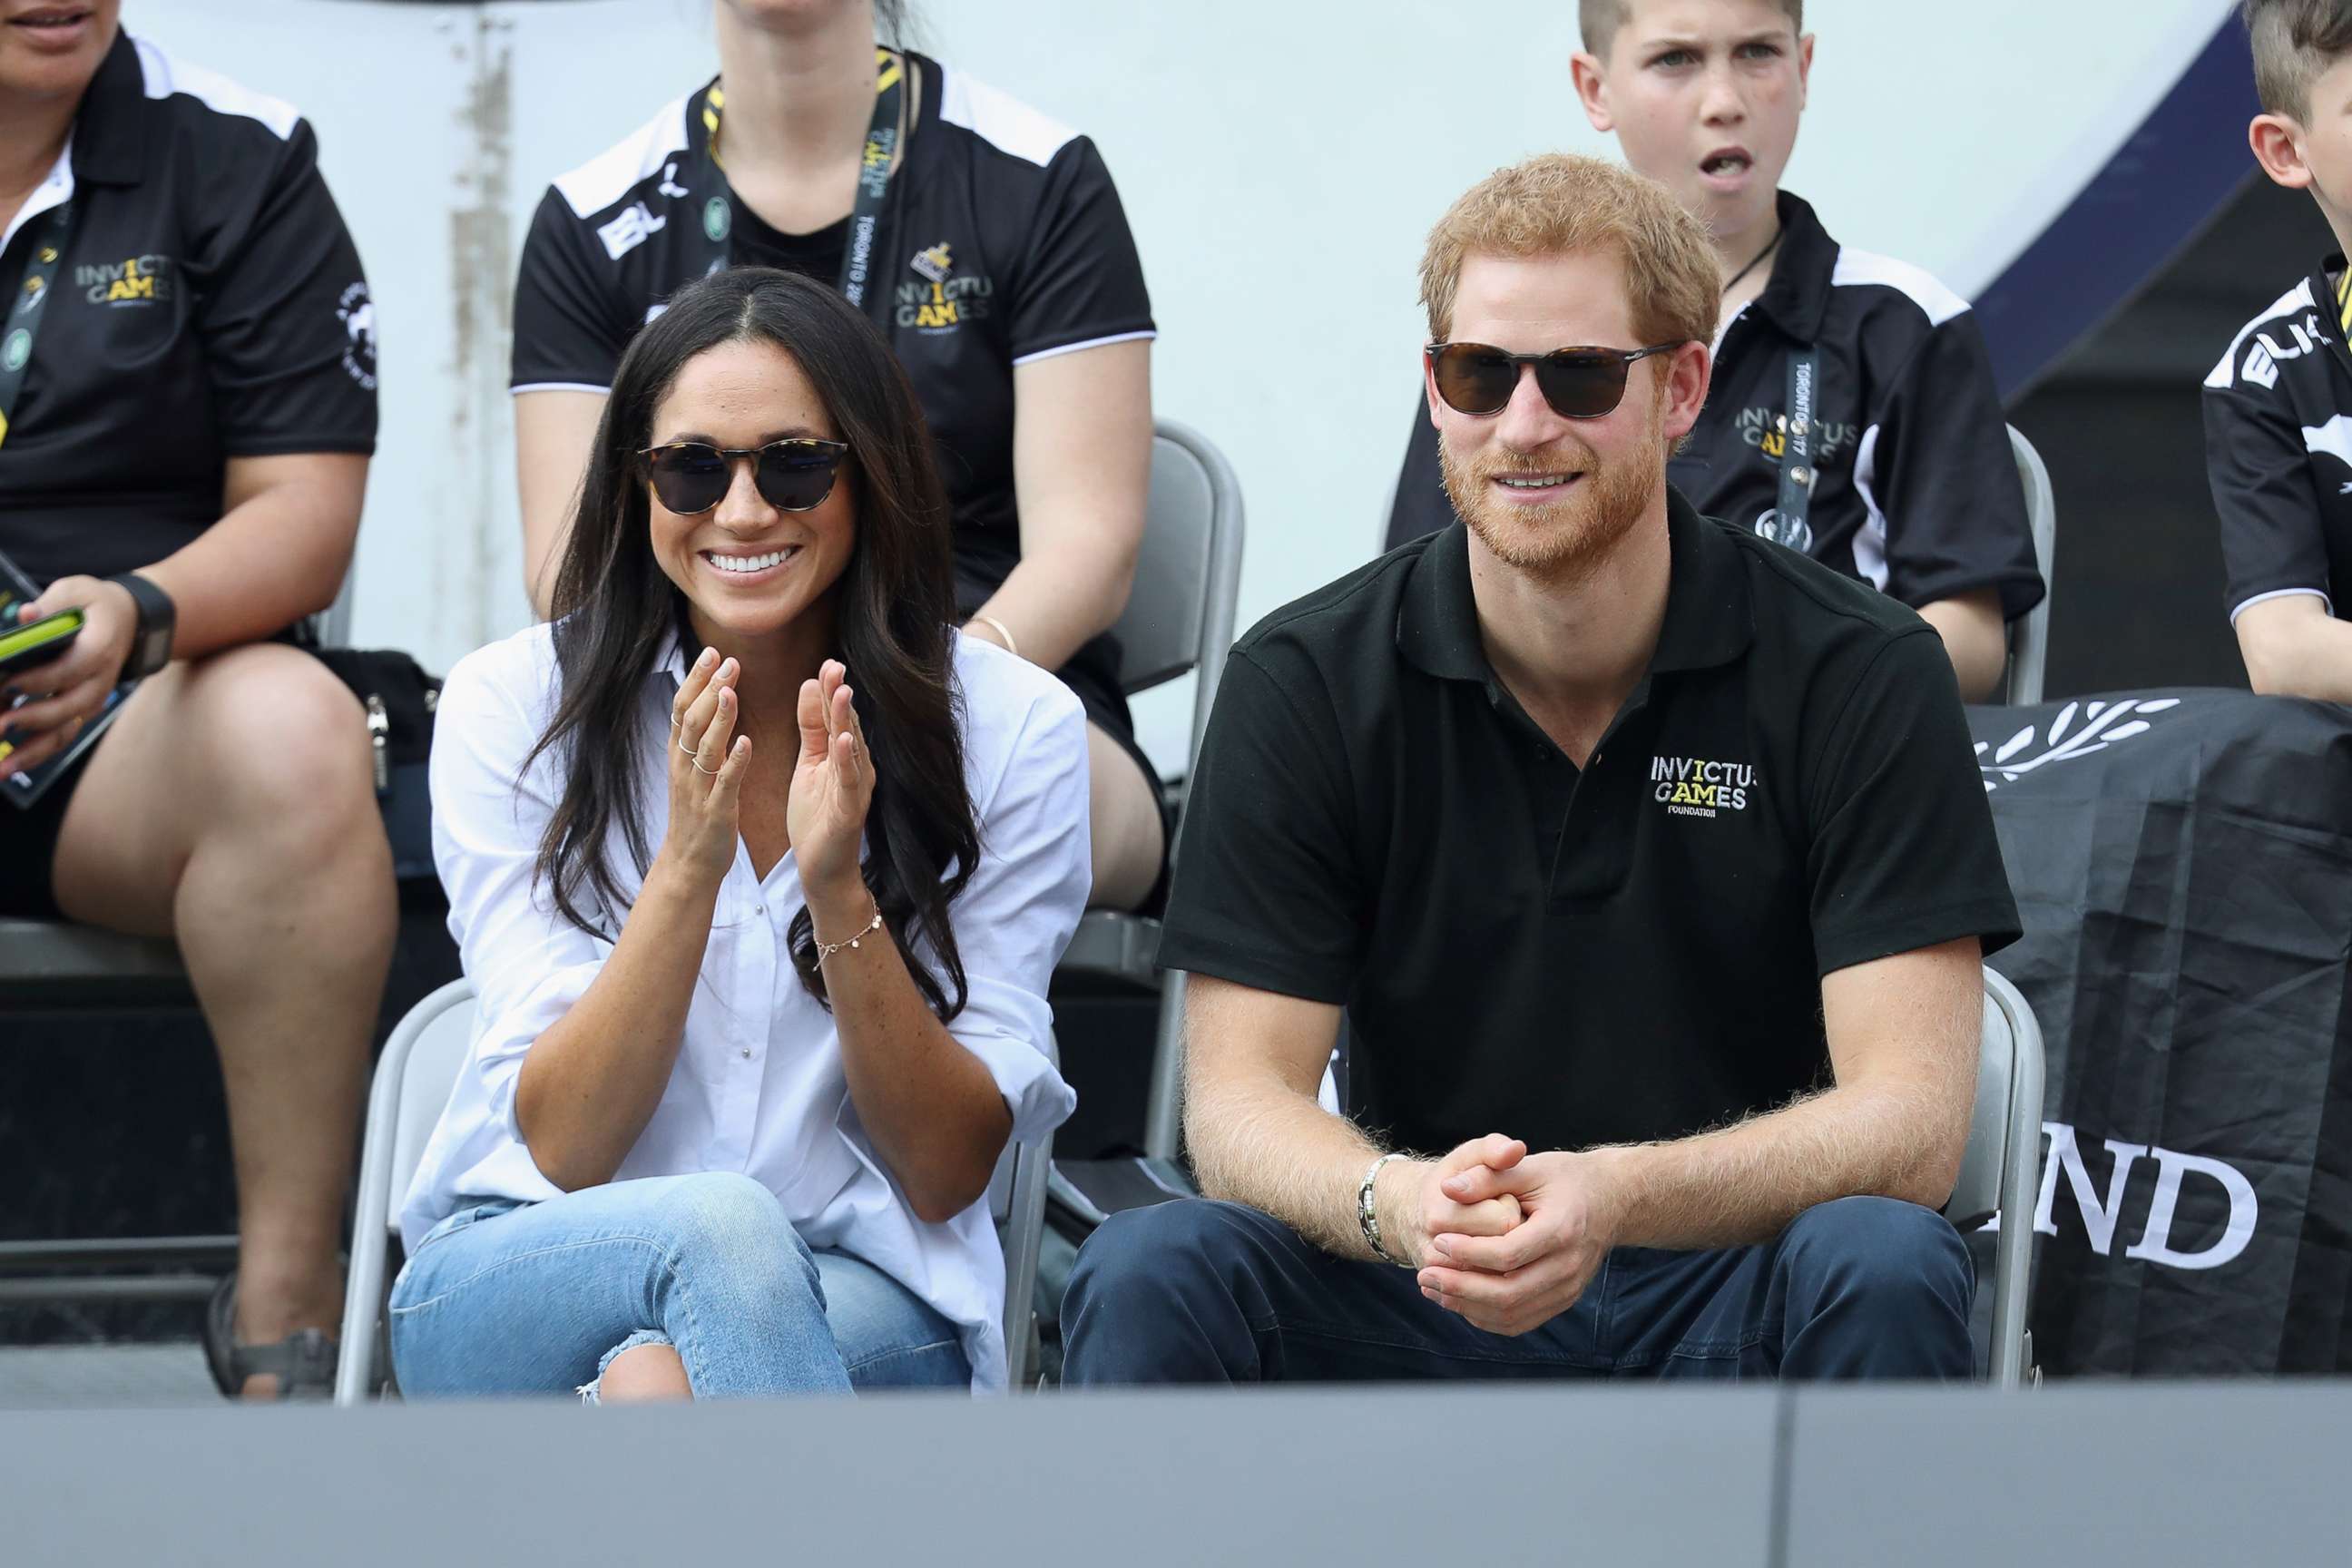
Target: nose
x=1526, y=423
x=743, y=507
x=1722, y=104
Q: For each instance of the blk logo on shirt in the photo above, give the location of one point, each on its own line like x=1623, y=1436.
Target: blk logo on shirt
x=1696, y=787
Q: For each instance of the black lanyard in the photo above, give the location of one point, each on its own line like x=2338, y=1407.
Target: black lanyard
x=1786, y=523
x=872, y=179
x=25, y=318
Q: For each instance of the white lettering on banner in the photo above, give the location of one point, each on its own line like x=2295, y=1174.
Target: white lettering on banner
x=2101, y=1214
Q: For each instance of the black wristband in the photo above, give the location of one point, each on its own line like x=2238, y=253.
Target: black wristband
x=151, y=645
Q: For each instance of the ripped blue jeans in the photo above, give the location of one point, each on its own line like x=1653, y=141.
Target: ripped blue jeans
x=523, y=1299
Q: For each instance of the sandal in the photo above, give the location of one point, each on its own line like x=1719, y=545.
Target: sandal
x=304, y=1363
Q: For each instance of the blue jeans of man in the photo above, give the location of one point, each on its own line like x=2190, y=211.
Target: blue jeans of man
x=508, y=1298
x=1199, y=1291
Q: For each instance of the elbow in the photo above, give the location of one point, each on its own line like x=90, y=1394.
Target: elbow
x=938, y=1202
x=2269, y=674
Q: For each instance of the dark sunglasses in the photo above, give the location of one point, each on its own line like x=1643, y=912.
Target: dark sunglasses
x=692, y=476
x=1578, y=383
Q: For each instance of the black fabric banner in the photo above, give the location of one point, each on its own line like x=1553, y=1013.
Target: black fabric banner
x=2183, y=862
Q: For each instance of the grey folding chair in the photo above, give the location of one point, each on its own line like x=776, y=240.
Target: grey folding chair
x=2029, y=643
x=2001, y=1172
x=412, y=1079
x=1179, y=619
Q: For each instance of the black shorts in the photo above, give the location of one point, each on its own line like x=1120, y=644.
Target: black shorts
x=28, y=845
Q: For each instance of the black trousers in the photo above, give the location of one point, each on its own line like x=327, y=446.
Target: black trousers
x=1199, y=1291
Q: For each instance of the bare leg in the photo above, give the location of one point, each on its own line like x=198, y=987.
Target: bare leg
x=232, y=807
x=1128, y=837
x=644, y=1375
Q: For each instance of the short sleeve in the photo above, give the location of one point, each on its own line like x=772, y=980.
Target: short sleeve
x=1081, y=281
x=1016, y=915
x=1942, y=477
x=1903, y=854
x=288, y=330
x=527, y=963
x=1421, y=505
x=2255, y=460
x=1268, y=892
x=568, y=331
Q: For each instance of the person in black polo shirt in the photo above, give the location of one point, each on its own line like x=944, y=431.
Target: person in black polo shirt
x=989, y=245
x=188, y=370
x=2278, y=407
x=1907, y=480
x=1649, y=861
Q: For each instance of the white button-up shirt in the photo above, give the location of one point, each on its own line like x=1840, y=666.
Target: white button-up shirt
x=758, y=1086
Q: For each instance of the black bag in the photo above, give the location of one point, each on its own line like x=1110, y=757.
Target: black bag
x=399, y=698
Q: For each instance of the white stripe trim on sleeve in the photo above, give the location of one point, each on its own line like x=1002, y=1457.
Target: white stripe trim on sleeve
x=2297, y=299
x=1001, y=120
x=606, y=178
x=559, y=386
x=1089, y=344
x=1864, y=269
x=1870, y=538
x=2325, y=603
x=2334, y=438
x=162, y=76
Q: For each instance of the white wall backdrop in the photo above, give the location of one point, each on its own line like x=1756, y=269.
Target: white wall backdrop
x=1280, y=161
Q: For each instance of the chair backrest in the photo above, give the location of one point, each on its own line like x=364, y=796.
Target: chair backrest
x=2005, y=1128
x=436, y=1054
x=2029, y=647
x=1180, y=616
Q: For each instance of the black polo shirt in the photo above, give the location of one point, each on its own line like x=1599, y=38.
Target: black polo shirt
x=2278, y=449
x=1002, y=240
x=1630, y=952
x=1917, y=493
x=209, y=305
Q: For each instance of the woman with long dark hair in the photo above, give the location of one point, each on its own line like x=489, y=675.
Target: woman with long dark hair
x=988, y=244
x=759, y=868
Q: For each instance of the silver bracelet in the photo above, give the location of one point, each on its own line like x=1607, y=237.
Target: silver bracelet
x=1367, y=1217
x=826, y=950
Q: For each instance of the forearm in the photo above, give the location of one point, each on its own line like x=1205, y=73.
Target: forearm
x=1745, y=1184
x=1255, y=1140
x=273, y=558
x=1055, y=603
x=591, y=1082
x=931, y=1107
x=2310, y=657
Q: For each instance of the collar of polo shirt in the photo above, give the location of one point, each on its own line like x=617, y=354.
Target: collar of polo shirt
x=1709, y=620
x=1797, y=299
x=108, y=143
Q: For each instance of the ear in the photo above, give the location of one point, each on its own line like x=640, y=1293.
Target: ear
x=1688, y=375
x=2277, y=143
x=1592, y=89
x=1804, y=70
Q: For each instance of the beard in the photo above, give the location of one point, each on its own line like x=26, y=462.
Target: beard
x=1561, y=541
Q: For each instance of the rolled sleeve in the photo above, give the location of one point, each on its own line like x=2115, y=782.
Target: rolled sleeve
x=528, y=963
x=1016, y=915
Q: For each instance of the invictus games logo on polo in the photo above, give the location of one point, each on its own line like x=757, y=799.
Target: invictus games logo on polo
x=357, y=312
x=1767, y=430
x=1693, y=786
x=942, y=301
x=134, y=281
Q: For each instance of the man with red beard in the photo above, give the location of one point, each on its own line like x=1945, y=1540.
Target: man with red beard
x=1649, y=862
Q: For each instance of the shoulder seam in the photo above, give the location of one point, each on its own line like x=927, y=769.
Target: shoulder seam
x=2224, y=374
x=1867, y=269
x=1005, y=123
x=612, y=174
x=163, y=76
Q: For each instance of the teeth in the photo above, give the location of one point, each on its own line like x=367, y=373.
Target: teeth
x=1545, y=482
x=741, y=563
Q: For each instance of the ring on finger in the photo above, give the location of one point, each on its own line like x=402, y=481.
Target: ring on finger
x=686, y=749
x=699, y=768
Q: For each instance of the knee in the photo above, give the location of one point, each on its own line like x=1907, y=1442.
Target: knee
x=1877, y=1250
x=726, y=1233
x=287, y=744
x=1142, y=1259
